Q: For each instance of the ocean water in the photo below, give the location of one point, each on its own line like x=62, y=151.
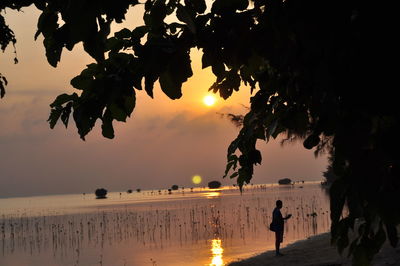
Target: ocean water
x=187, y=227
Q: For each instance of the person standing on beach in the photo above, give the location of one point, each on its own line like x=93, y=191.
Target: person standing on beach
x=277, y=225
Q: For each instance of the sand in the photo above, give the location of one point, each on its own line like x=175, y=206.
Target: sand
x=316, y=251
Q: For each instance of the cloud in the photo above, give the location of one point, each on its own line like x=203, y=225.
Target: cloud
x=34, y=92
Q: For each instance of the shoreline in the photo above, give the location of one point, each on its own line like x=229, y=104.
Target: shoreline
x=316, y=251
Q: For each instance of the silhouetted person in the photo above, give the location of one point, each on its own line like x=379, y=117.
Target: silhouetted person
x=278, y=226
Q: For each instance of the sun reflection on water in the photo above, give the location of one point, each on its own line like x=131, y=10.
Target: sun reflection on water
x=212, y=194
x=216, y=250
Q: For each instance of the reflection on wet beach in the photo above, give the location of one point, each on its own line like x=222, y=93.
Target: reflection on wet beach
x=216, y=251
x=212, y=194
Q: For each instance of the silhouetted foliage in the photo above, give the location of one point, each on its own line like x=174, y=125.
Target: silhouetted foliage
x=329, y=174
x=129, y=191
x=214, y=184
x=319, y=71
x=236, y=119
x=138, y=190
x=6, y=37
x=101, y=193
x=174, y=187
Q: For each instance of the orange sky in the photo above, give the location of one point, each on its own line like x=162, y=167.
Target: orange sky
x=165, y=142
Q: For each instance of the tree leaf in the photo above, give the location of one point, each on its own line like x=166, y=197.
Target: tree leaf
x=157, y=14
x=123, y=34
x=223, y=6
x=3, y=83
x=184, y=16
x=235, y=174
x=107, y=127
x=228, y=168
x=199, y=5
x=130, y=102
x=272, y=128
x=47, y=23
x=170, y=85
x=207, y=59
x=177, y=71
x=117, y=113
x=255, y=157
x=53, y=50
x=311, y=141
x=66, y=113
x=63, y=98
x=218, y=69
x=55, y=114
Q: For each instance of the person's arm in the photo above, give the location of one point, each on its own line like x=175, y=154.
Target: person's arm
x=287, y=217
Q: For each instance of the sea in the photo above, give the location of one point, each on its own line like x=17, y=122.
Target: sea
x=188, y=226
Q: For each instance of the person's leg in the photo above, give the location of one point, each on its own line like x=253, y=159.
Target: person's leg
x=278, y=241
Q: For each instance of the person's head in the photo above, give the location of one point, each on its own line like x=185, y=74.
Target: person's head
x=279, y=204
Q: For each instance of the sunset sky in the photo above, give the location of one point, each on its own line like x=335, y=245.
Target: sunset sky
x=165, y=142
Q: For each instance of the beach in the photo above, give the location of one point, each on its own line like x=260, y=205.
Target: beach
x=317, y=251
x=191, y=228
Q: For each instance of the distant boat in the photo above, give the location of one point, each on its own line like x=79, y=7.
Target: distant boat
x=284, y=181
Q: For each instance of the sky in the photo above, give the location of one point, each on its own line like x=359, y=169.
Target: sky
x=165, y=142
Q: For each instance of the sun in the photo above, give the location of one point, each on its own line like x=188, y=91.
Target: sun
x=196, y=179
x=209, y=100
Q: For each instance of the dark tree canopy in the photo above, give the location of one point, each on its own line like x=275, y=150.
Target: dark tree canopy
x=318, y=70
x=214, y=184
x=101, y=193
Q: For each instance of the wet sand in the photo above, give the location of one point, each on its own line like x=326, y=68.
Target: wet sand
x=317, y=251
